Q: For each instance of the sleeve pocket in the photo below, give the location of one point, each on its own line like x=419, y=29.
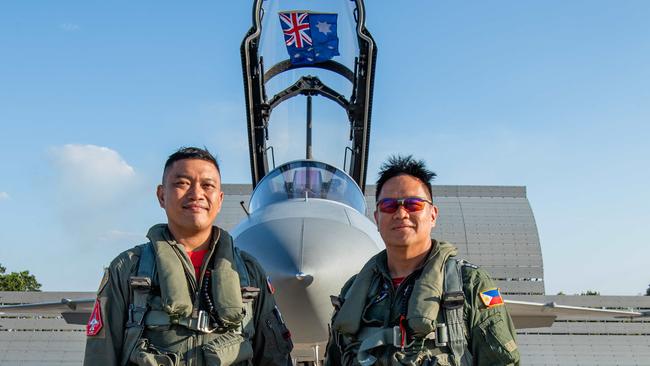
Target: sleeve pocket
x=499, y=343
x=276, y=333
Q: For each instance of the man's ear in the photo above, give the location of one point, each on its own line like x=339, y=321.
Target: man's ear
x=434, y=214
x=160, y=193
x=220, y=201
x=376, y=214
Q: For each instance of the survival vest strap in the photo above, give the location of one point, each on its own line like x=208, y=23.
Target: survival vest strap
x=452, y=333
x=141, y=286
x=453, y=301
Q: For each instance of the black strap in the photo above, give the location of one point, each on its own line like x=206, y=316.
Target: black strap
x=147, y=264
x=138, y=304
x=244, y=278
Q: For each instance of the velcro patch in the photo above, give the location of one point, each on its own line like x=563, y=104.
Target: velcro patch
x=491, y=297
x=95, y=322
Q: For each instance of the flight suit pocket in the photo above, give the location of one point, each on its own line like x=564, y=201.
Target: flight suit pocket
x=227, y=349
x=377, y=310
x=497, y=336
x=276, y=333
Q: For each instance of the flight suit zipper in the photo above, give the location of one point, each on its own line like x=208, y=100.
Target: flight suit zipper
x=196, y=339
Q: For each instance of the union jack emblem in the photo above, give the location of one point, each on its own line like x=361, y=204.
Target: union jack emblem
x=296, y=27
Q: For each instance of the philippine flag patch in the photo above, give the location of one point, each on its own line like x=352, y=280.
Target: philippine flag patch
x=95, y=323
x=491, y=297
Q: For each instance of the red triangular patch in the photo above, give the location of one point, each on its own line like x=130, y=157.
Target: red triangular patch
x=95, y=323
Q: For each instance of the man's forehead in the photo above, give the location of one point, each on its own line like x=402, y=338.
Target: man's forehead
x=403, y=183
x=192, y=167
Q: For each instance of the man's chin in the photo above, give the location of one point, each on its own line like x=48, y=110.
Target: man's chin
x=195, y=225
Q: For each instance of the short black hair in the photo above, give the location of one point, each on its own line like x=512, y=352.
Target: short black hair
x=191, y=153
x=404, y=165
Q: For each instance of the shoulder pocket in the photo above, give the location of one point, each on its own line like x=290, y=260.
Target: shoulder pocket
x=497, y=337
x=377, y=309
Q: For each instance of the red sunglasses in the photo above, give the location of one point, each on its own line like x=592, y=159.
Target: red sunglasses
x=411, y=204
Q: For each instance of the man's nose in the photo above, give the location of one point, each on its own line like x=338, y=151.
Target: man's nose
x=195, y=191
x=401, y=212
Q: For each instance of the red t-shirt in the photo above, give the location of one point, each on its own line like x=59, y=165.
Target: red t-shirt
x=197, y=260
x=397, y=281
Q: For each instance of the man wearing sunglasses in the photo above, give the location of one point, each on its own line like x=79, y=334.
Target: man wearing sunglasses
x=415, y=303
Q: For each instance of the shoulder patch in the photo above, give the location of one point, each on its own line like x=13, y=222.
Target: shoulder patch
x=95, y=322
x=270, y=285
x=468, y=264
x=491, y=297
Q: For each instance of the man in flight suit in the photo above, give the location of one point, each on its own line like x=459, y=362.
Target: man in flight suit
x=415, y=303
x=188, y=296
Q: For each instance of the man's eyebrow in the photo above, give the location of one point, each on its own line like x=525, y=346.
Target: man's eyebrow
x=182, y=176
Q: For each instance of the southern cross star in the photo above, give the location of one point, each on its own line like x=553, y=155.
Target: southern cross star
x=324, y=27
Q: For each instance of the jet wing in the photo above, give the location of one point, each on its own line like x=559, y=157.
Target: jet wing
x=74, y=311
x=539, y=315
x=524, y=314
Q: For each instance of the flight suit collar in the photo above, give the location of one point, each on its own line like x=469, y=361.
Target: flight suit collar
x=161, y=232
x=381, y=260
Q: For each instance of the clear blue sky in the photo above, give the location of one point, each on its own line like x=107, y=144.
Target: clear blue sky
x=553, y=95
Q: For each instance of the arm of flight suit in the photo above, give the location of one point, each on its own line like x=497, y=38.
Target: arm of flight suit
x=105, y=348
x=340, y=350
x=491, y=331
x=272, y=340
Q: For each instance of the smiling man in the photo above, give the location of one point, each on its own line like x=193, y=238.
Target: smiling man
x=188, y=296
x=415, y=303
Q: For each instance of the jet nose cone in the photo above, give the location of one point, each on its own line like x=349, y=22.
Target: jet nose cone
x=306, y=278
x=309, y=249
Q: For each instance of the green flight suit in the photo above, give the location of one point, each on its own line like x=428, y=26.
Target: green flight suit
x=270, y=340
x=490, y=331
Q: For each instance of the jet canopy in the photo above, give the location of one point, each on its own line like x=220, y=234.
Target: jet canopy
x=313, y=59
x=306, y=179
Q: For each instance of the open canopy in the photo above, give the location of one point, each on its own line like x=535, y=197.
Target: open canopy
x=309, y=48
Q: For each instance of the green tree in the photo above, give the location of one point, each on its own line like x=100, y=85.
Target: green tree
x=18, y=281
x=647, y=292
x=590, y=293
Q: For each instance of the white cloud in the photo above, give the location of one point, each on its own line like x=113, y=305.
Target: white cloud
x=94, y=191
x=4, y=196
x=91, y=174
x=69, y=27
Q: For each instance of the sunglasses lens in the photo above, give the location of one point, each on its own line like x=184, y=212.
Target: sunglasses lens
x=414, y=204
x=388, y=205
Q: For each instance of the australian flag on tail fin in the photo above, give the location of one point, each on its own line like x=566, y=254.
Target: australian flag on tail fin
x=310, y=37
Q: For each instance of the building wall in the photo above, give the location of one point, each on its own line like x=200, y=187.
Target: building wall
x=579, y=341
